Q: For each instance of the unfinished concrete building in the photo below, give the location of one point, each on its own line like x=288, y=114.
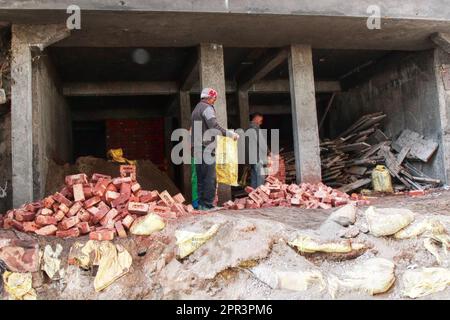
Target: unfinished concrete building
x=138, y=63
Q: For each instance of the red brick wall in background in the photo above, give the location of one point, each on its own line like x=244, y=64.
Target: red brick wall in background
x=139, y=139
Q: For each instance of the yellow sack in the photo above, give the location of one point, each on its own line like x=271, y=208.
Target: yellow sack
x=227, y=161
x=117, y=156
x=381, y=179
x=19, y=285
x=306, y=244
x=188, y=241
x=146, y=225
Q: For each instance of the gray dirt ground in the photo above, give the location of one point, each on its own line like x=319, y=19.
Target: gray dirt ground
x=240, y=260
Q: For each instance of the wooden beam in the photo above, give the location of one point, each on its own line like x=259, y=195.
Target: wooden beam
x=442, y=40
x=261, y=69
x=127, y=88
x=189, y=75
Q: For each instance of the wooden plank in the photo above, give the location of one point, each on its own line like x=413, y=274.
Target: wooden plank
x=354, y=147
x=421, y=148
x=357, y=170
x=355, y=185
x=402, y=155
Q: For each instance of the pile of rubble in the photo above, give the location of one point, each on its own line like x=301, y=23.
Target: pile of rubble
x=101, y=207
x=348, y=160
x=306, y=195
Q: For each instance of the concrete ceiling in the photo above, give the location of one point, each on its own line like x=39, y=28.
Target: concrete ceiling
x=109, y=28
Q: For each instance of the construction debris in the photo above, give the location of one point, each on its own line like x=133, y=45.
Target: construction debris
x=387, y=221
x=275, y=193
x=348, y=160
x=419, y=283
x=101, y=207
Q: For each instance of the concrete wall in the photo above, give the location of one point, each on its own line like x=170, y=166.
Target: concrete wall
x=52, y=130
x=404, y=87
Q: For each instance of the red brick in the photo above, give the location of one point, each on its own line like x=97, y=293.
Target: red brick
x=100, y=187
x=46, y=220
x=111, y=187
x=108, y=218
x=157, y=209
x=62, y=199
x=111, y=195
x=120, y=230
x=78, y=193
x=64, y=208
x=76, y=207
x=99, y=215
x=47, y=230
x=48, y=202
x=71, y=233
x=179, y=198
x=33, y=207
x=55, y=206
x=76, y=178
x=30, y=226
x=45, y=212
x=416, y=193
x=97, y=176
x=249, y=189
x=10, y=214
x=137, y=207
x=102, y=235
x=256, y=197
x=170, y=215
x=125, y=188
x=68, y=223
x=87, y=191
x=150, y=197
x=84, y=215
x=7, y=223
x=128, y=171
x=84, y=227
x=66, y=192
x=127, y=221
x=59, y=215
x=120, y=200
x=167, y=198
x=118, y=181
x=92, y=202
x=295, y=201
x=101, y=205
x=17, y=225
x=135, y=187
x=189, y=208
x=22, y=216
x=93, y=210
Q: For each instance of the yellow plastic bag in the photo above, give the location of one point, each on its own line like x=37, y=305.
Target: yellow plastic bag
x=19, y=285
x=227, y=161
x=146, y=225
x=117, y=156
x=188, y=241
x=381, y=179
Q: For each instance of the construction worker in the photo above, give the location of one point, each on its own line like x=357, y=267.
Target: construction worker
x=257, y=173
x=204, y=118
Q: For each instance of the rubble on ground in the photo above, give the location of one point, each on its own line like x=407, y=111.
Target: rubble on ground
x=274, y=193
x=102, y=206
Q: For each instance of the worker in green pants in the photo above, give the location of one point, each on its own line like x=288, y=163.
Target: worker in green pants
x=194, y=184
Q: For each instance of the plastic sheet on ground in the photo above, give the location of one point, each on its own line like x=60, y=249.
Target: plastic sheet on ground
x=300, y=281
x=19, y=285
x=387, y=221
x=306, y=244
x=188, y=241
x=373, y=276
x=51, y=261
x=423, y=282
x=113, y=261
x=146, y=225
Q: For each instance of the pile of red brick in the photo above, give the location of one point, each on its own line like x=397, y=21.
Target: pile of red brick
x=275, y=193
x=101, y=207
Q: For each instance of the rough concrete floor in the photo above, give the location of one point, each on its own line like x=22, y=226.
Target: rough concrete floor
x=249, y=242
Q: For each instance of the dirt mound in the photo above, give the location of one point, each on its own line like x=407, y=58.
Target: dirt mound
x=148, y=175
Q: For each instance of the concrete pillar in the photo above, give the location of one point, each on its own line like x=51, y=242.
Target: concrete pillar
x=244, y=109
x=25, y=39
x=212, y=75
x=304, y=115
x=185, y=123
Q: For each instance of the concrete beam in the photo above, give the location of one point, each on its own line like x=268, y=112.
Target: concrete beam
x=22, y=122
x=304, y=115
x=212, y=75
x=119, y=88
x=282, y=86
x=190, y=75
x=133, y=88
x=261, y=69
x=442, y=40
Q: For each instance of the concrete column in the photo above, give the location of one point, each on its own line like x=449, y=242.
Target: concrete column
x=304, y=115
x=212, y=75
x=244, y=110
x=185, y=123
x=21, y=119
x=25, y=39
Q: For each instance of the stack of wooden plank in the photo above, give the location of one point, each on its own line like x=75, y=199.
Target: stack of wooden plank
x=348, y=160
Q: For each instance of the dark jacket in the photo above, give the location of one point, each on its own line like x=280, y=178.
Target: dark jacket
x=261, y=144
